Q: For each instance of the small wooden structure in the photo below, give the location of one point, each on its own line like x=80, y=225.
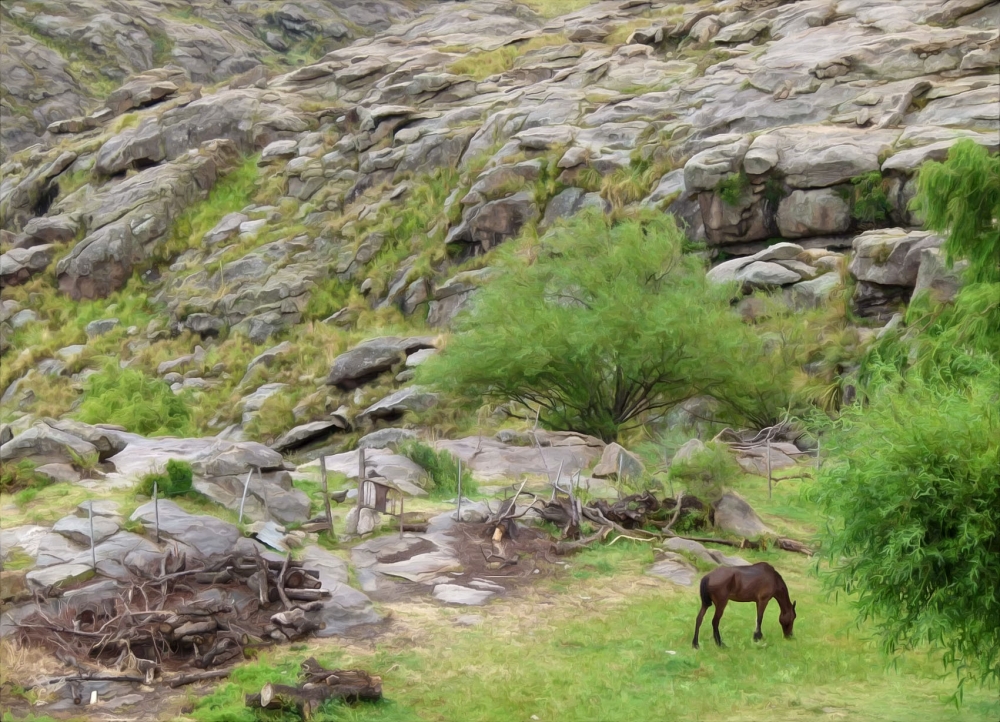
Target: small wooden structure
x=382, y=496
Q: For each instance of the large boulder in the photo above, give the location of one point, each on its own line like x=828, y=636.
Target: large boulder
x=373, y=357
x=346, y=607
x=392, y=407
x=732, y=514
x=616, y=458
x=891, y=256
x=491, y=223
x=396, y=468
x=202, y=535
x=491, y=459
x=813, y=213
x=42, y=444
x=936, y=277
x=108, y=440
x=18, y=265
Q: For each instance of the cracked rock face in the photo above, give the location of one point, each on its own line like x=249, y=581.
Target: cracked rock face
x=749, y=124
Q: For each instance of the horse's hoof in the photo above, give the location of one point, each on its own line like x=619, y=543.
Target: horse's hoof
x=758, y=637
x=695, y=646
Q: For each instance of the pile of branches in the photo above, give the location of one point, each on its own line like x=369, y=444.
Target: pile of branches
x=321, y=685
x=155, y=618
x=640, y=517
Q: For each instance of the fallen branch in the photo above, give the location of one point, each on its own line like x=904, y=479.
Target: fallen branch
x=199, y=676
x=350, y=685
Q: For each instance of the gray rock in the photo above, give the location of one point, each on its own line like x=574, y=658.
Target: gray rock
x=307, y=433
x=457, y=594
x=706, y=169
x=494, y=222
x=395, y=468
x=108, y=440
x=347, y=607
x=712, y=556
x=734, y=515
x=814, y=293
x=674, y=568
x=490, y=459
x=615, y=457
x=411, y=398
x=205, y=536
x=373, y=357
x=101, y=327
x=59, y=575
x=890, y=256
x=18, y=265
x=764, y=274
x=26, y=538
x=689, y=450
x=813, y=213
x=44, y=445
x=267, y=358
x=77, y=529
x=386, y=438
x=59, y=473
x=225, y=229
x=362, y=522
x=935, y=277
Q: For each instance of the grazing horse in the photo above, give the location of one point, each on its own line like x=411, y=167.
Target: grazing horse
x=756, y=583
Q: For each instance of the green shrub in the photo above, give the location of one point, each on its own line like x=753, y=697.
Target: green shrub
x=733, y=188
x=142, y=404
x=870, y=202
x=441, y=466
x=913, y=493
x=177, y=480
x=707, y=473
x=961, y=197
x=15, y=476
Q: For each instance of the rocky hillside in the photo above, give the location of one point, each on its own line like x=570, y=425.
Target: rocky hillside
x=231, y=196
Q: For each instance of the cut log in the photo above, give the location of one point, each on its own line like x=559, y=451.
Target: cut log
x=199, y=676
x=350, y=685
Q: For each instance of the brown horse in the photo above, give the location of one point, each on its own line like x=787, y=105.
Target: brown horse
x=756, y=583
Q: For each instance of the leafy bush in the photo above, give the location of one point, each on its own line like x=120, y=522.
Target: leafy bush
x=870, y=202
x=707, y=473
x=733, y=188
x=599, y=327
x=142, y=404
x=176, y=481
x=441, y=466
x=913, y=490
x=962, y=197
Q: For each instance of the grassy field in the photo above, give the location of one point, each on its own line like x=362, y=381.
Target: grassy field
x=604, y=642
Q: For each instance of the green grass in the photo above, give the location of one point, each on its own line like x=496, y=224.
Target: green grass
x=555, y=8
x=605, y=643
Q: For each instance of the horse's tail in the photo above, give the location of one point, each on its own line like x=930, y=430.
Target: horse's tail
x=706, y=598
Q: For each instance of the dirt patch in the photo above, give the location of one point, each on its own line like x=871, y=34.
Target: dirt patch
x=421, y=547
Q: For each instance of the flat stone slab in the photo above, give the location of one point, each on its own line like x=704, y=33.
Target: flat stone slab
x=712, y=556
x=78, y=528
x=457, y=594
x=204, y=535
x=396, y=468
x=26, y=538
x=491, y=460
x=674, y=568
x=59, y=575
x=422, y=567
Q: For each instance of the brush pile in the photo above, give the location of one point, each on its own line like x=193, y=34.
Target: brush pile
x=202, y=616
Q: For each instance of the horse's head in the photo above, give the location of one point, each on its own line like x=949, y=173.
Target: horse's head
x=787, y=620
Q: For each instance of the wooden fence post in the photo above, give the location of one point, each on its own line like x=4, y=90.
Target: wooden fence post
x=93, y=550
x=326, y=492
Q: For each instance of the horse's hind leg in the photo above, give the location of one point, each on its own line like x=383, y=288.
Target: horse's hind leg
x=697, y=626
x=761, y=606
x=720, y=607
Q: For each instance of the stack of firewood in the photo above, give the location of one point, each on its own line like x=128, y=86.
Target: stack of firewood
x=321, y=684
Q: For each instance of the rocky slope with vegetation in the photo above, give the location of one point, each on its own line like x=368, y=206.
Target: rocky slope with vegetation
x=244, y=235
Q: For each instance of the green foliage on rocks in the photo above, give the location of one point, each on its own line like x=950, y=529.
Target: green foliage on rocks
x=733, y=188
x=598, y=327
x=231, y=193
x=870, y=203
x=962, y=198
x=707, y=473
x=176, y=480
x=142, y=404
x=441, y=466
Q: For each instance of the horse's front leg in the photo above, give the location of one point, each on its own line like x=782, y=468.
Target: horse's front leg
x=761, y=606
x=720, y=607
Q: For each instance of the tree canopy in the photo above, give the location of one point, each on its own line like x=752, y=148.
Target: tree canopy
x=598, y=326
